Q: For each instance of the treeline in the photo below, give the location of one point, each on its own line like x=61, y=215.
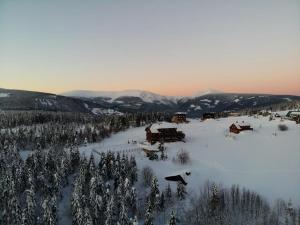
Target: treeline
x=235, y=206
x=30, y=190
x=288, y=105
x=31, y=130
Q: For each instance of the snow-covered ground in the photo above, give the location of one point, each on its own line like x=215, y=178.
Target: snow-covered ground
x=265, y=160
x=4, y=95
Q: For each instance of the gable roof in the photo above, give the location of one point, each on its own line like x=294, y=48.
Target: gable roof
x=163, y=125
x=241, y=124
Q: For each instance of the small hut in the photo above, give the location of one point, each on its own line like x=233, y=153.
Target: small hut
x=237, y=127
x=209, y=115
x=179, y=117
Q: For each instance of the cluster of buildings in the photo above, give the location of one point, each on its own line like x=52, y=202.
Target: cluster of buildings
x=168, y=132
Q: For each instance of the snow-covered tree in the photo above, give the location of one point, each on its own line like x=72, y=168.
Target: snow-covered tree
x=168, y=193
x=154, y=193
x=181, y=190
x=172, y=220
x=148, y=216
x=110, y=212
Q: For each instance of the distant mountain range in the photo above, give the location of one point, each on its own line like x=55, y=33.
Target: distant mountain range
x=135, y=100
x=30, y=100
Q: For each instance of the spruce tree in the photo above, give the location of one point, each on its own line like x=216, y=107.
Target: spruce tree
x=172, y=220
x=181, y=190
x=148, y=216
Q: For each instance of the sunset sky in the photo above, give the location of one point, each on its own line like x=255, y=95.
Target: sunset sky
x=171, y=47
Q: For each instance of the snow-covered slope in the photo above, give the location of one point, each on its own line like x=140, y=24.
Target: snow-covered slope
x=265, y=160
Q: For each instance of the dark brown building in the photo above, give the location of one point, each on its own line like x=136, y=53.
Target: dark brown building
x=163, y=132
x=179, y=117
x=209, y=115
x=294, y=115
x=238, y=127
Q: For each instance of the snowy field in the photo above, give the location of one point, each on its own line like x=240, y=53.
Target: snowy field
x=265, y=160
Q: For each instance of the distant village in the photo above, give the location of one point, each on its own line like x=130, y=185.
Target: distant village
x=167, y=132
x=162, y=132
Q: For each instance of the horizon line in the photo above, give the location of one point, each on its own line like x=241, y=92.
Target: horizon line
x=181, y=96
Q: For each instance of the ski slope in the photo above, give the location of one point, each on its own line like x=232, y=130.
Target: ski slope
x=265, y=160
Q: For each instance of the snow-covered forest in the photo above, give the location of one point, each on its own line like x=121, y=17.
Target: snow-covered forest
x=82, y=170
x=31, y=130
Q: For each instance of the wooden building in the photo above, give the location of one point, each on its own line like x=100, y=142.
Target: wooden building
x=163, y=132
x=209, y=115
x=234, y=114
x=265, y=112
x=237, y=127
x=294, y=115
x=179, y=117
x=179, y=177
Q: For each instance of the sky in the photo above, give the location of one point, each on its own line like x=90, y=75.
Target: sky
x=170, y=47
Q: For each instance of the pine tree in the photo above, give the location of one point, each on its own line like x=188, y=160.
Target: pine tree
x=181, y=190
x=78, y=219
x=133, y=201
x=110, y=209
x=87, y=218
x=148, y=215
x=154, y=193
x=74, y=157
x=29, y=211
x=168, y=192
x=162, y=201
x=92, y=167
x=49, y=211
x=123, y=217
x=13, y=208
x=172, y=220
x=215, y=200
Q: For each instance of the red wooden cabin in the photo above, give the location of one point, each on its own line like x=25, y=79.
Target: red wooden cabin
x=237, y=127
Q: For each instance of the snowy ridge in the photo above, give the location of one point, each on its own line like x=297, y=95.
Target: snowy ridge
x=146, y=96
x=207, y=92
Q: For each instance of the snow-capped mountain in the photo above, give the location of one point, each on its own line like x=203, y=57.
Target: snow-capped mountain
x=137, y=101
x=204, y=101
x=112, y=96
x=206, y=92
x=31, y=100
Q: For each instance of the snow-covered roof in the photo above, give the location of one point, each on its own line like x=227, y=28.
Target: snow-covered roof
x=180, y=113
x=241, y=124
x=163, y=125
x=295, y=113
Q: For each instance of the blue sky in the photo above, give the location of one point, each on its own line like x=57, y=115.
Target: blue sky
x=170, y=47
